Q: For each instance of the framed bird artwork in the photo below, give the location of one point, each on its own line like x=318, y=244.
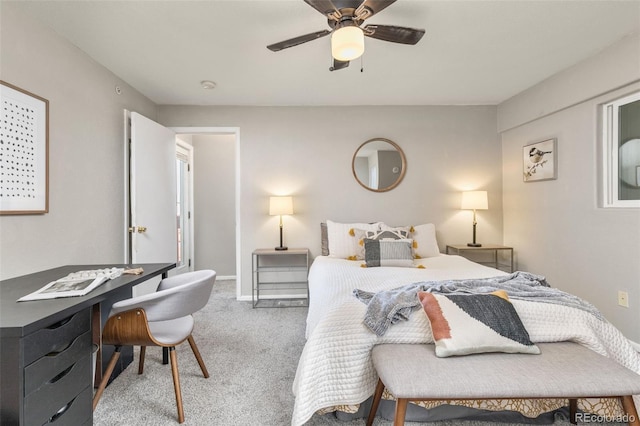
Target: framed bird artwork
x=539, y=161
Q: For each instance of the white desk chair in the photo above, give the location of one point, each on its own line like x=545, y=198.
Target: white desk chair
x=164, y=319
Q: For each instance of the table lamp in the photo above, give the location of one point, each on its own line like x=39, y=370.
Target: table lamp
x=279, y=206
x=474, y=200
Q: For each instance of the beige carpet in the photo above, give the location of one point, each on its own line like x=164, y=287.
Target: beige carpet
x=251, y=355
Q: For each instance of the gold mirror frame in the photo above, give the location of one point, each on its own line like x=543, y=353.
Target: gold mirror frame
x=400, y=173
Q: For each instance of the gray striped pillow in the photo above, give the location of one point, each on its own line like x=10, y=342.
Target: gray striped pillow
x=388, y=252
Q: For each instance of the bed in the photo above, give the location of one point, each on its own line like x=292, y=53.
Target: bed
x=335, y=372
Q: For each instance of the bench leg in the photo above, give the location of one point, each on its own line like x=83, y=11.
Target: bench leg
x=630, y=409
x=401, y=412
x=376, y=402
x=573, y=409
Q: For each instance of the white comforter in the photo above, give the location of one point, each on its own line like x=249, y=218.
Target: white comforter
x=335, y=367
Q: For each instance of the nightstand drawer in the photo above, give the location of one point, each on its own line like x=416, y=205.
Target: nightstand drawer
x=56, y=337
x=42, y=371
x=60, y=394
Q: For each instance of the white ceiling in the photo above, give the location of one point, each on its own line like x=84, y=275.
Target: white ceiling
x=474, y=52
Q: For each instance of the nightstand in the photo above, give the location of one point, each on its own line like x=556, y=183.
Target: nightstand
x=474, y=254
x=280, y=278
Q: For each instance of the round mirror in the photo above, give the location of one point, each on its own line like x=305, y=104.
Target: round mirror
x=379, y=165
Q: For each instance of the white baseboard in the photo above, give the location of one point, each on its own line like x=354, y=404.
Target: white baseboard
x=225, y=277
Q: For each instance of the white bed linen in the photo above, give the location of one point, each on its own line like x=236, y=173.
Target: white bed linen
x=335, y=367
x=332, y=280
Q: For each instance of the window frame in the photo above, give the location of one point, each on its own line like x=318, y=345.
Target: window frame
x=610, y=153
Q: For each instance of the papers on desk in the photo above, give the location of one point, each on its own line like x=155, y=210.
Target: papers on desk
x=75, y=284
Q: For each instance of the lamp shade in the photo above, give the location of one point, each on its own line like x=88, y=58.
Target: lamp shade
x=280, y=205
x=347, y=43
x=474, y=200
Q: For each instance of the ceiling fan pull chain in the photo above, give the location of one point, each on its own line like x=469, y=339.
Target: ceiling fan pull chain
x=362, y=63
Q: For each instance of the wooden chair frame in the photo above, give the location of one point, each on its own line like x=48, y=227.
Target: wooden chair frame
x=132, y=328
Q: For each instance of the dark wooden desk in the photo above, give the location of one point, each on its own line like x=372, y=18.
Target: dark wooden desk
x=33, y=347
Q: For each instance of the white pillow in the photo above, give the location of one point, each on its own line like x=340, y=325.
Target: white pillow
x=341, y=243
x=424, y=237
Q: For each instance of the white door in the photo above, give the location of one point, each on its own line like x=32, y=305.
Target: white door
x=152, y=192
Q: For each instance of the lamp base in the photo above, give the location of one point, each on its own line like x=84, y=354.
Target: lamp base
x=474, y=244
x=282, y=248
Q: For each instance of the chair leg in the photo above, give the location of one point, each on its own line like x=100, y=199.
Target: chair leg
x=573, y=410
x=176, y=382
x=143, y=351
x=196, y=352
x=376, y=402
x=106, y=376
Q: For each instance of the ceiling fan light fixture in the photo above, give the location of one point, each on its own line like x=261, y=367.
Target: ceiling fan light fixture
x=347, y=43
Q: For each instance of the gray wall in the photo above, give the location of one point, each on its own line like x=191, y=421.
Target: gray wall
x=556, y=226
x=298, y=151
x=214, y=203
x=85, y=222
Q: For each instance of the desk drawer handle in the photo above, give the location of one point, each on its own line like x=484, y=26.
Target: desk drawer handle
x=60, y=412
x=59, y=323
x=58, y=351
x=61, y=375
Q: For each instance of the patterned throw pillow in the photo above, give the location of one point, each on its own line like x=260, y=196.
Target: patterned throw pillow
x=388, y=252
x=341, y=243
x=475, y=323
x=361, y=235
x=423, y=236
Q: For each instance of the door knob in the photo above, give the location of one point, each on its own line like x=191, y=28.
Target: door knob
x=139, y=229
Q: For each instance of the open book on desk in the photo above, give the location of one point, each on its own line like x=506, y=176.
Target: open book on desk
x=74, y=284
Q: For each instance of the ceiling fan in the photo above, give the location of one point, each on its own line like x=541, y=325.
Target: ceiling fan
x=347, y=37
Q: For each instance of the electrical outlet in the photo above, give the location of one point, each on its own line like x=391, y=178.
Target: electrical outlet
x=623, y=298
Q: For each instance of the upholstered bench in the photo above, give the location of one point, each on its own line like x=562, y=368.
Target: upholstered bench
x=562, y=370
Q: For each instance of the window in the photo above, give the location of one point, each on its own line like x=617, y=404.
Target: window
x=621, y=152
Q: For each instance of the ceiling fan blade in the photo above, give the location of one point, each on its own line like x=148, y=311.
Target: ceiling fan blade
x=394, y=34
x=338, y=65
x=329, y=6
x=297, y=40
x=323, y=6
x=368, y=8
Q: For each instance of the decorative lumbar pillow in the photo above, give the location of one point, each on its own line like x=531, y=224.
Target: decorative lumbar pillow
x=341, y=243
x=360, y=235
x=464, y=324
x=388, y=253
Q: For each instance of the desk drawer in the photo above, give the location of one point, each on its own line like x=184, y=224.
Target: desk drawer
x=56, y=337
x=77, y=412
x=42, y=371
x=57, y=393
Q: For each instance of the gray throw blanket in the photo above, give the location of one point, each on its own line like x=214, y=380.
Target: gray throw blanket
x=391, y=306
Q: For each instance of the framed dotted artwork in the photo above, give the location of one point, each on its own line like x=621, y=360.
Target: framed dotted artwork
x=24, y=152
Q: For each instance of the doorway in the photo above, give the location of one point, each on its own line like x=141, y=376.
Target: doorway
x=184, y=206
x=215, y=216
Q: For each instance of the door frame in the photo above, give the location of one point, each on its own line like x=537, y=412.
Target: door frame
x=191, y=220
x=225, y=131
x=127, y=186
